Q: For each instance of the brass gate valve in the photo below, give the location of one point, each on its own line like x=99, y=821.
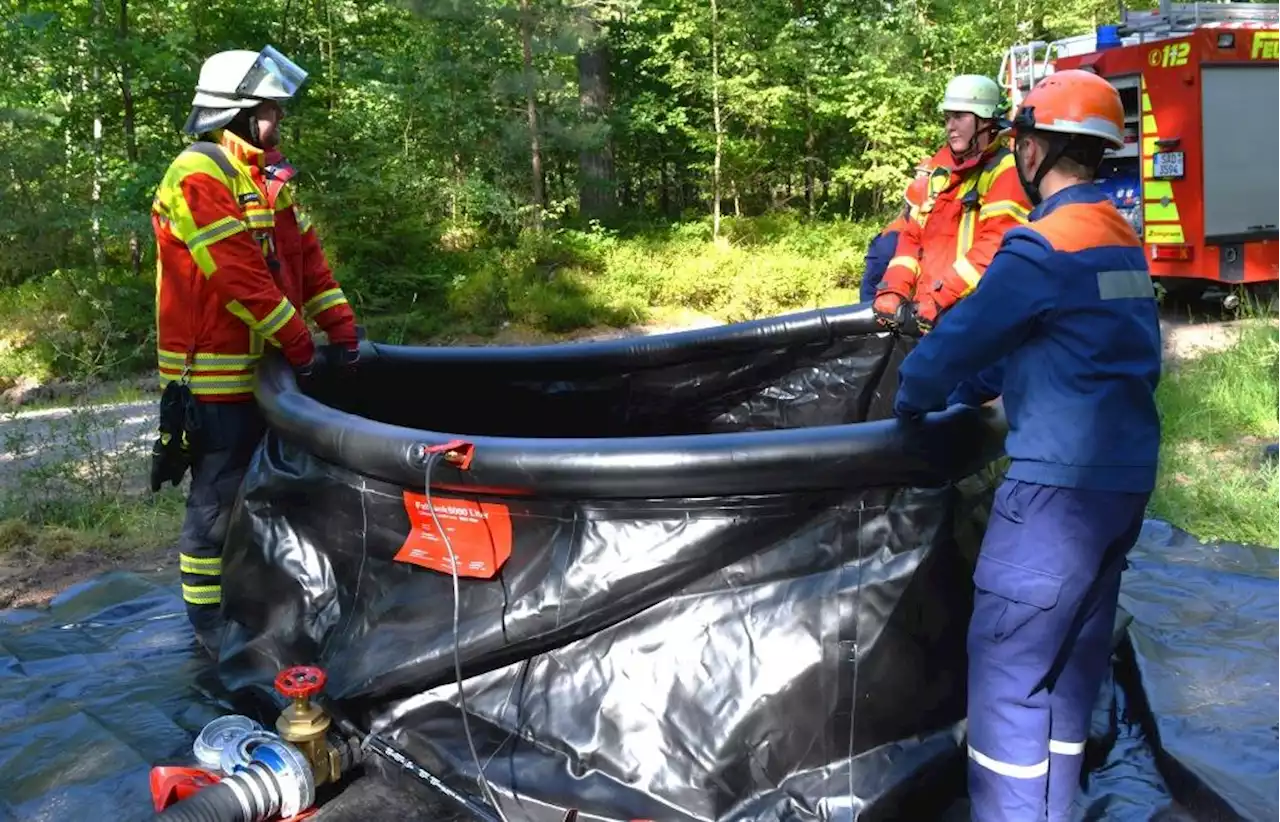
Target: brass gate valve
x=303, y=724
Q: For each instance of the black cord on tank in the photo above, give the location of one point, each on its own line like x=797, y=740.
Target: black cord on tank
x=432, y=459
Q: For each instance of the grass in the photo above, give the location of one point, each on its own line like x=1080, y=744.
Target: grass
x=1218, y=412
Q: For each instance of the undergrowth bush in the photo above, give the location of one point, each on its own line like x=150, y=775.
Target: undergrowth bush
x=78, y=325
x=426, y=283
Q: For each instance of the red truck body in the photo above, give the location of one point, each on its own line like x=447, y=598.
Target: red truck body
x=1200, y=174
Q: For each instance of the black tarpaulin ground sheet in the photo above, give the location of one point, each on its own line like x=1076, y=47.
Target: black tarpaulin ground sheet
x=703, y=577
x=108, y=681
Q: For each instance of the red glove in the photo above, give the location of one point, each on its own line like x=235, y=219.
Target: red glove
x=935, y=299
x=893, y=297
x=888, y=306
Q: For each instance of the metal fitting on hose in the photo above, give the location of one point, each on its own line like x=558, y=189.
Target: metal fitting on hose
x=276, y=782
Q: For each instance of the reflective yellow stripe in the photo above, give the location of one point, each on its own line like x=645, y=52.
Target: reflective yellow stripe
x=910, y=263
x=211, y=384
x=260, y=219
x=988, y=176
x=1004, y=208
x=217, y=230
x=202, y=594
x=202, y=566
x=1160, y=213
x=276, y=320
x=206, y=362
x=964, y=238
x=324, y=301
x=1157, y=202
x=268, y=325
x=968, y=273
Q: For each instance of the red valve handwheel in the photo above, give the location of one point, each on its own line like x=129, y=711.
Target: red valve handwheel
x=300, y=681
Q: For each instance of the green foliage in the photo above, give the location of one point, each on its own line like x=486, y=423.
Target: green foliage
x=415, y=141
x=76, y=324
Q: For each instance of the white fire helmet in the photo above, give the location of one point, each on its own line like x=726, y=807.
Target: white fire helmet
x=239, y=79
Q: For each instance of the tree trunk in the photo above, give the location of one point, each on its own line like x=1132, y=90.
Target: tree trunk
x=810, y=146
x=531, y=104
x=715, y=111
x=664, y=190
x=596, y=196
x=130, y=128
x=96, y=101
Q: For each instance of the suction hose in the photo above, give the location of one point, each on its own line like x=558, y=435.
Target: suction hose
x=216, y=803
x=277, y=781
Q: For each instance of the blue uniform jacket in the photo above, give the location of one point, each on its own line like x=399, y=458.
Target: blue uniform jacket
x=1064, y=326
x=879, y=253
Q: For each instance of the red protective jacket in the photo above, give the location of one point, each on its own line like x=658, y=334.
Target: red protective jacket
x=236, y=262
x=941, y=256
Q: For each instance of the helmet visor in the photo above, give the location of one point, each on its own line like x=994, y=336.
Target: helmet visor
x=272, y=77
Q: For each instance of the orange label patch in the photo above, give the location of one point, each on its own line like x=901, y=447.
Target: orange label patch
x=479, y=532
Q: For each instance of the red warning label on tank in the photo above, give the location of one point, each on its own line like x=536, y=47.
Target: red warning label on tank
x=479, y=532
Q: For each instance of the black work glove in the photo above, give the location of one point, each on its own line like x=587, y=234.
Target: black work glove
x=172, y=451
x=340, y=357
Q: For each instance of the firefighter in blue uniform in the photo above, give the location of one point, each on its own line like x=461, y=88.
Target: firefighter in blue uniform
x=1064, y=327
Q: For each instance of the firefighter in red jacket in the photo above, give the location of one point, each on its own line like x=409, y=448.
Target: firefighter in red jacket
x=240, y=269
x=974, y=198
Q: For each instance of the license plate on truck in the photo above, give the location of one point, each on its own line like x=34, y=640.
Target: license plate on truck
x=1169, y=165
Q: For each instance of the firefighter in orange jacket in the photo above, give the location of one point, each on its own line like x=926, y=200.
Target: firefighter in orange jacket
x=239, y=270
x=974, y=198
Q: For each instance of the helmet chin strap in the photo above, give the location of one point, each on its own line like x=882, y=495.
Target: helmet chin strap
x=971, y=149
x=1057, y=145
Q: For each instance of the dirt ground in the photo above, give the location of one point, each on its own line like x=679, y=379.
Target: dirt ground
x=28, y=580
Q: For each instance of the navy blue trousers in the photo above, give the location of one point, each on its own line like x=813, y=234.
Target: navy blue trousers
x=230, y=435
x=1047, y=580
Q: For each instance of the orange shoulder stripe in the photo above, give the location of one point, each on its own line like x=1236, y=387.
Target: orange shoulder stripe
x=1079, y=226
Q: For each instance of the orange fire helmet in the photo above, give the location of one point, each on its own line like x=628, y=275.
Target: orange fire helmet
x=917, y=192
x=1074, y=102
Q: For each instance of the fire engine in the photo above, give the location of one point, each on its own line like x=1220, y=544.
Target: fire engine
x=1199, y=176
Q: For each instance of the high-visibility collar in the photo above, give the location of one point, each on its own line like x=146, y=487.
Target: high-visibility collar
x=269, y=168
x=241, y=149
x=944, y=159
x=971, y=162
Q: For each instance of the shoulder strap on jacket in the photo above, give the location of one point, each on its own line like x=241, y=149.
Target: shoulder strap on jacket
x=996, y=157
x=216, y=153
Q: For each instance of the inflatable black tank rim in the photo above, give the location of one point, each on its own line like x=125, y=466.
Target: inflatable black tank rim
x=931, y=452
